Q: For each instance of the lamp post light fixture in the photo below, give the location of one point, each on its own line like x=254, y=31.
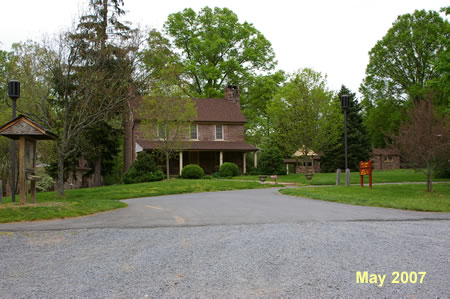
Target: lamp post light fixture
x=345, y=105
x=14, y=94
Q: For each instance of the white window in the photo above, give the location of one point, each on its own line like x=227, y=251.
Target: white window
x=388, y=159
x=194, y=132
x=162, y=131
x=219, y=132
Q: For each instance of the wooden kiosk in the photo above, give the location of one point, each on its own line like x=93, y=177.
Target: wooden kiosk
x=27, y=132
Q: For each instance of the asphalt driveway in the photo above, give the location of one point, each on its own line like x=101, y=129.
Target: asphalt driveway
x=261, y=206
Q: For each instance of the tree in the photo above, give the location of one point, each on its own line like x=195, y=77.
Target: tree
x=166, y=119
x=271, y=161
x=100, y=145
x=6, y=63
x=213, y=50
x=424, y=140
x=403, y=61
x=358, y=143
x=305, y=114
x=107, y=47
x=254, y=102
x=400, y=68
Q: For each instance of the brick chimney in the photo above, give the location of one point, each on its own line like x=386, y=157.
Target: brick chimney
x=232, y=94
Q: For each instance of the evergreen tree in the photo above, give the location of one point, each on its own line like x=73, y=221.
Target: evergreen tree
x=358, y=143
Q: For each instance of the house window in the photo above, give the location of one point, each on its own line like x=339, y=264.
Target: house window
x=388, y=159
x=194, y=132
x=162, y=131
x=219, y=132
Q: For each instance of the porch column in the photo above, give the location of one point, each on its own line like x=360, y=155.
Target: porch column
x=181, y=162
x=255, y=159
x=244, y=164
x=221, y=159
x=287, y=168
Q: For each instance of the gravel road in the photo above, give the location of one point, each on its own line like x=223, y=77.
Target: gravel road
x=306, y=259
x=248, y=243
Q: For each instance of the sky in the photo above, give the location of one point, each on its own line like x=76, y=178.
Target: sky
x=329, y=36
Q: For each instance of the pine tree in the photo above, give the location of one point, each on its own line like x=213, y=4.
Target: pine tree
x=358, y=143
x=107, y=48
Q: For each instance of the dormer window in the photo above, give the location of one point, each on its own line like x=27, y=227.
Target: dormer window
x=219, y=132
x=194, y=132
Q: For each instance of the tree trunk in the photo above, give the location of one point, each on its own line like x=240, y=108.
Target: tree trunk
x=429, y=182
x=98, y=173
x=60, y=179
x=167, y=165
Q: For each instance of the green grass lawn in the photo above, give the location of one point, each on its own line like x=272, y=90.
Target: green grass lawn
x=407, y=197
x=80, y=202
x=381, y=176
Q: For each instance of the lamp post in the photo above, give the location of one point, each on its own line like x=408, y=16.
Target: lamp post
x=14, y=94
x=345, y=105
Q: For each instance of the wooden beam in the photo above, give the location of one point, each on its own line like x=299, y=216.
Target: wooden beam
x=22, y=183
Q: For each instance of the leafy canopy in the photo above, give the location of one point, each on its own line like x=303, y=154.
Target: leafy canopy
x=208, y=50
x=405, y=58
x=306, y=115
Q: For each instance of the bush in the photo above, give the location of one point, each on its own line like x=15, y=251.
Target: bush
x=271, y=162
x=45, y=184
x=192, y=171
x=144, y=169
x=229, y=169
x=443, y=171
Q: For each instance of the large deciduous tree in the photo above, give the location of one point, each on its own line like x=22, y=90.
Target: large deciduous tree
x=306, y=115
x=401, y=66
x=208, y=50
x=424, y=139
x=359, y=147
x=254, y=102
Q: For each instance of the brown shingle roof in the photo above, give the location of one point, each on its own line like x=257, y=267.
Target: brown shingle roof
x=204, y=146
x=208, y=110
x=385, y=152
x=219, y=110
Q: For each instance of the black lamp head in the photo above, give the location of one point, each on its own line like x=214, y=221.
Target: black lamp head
x=14, y=89
x=345, y=101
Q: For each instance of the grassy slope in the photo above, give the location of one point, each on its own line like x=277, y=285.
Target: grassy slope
x=408, y=197
x=382, y=176
x=81, y=202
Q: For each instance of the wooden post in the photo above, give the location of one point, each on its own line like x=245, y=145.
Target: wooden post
x=244, y=164
x=221, y=159
x=22, y=162
x=181, y=162
x=33, y=191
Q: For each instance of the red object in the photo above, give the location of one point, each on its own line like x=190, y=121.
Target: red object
x=365, y=168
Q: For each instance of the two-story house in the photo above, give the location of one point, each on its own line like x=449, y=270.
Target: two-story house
x=216, y=136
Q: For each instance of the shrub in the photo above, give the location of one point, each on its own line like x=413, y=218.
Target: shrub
x=144, y=169
x=443, y=171
x=45, y=184
x=229, y=169
x=271, y=162
x=192, y=171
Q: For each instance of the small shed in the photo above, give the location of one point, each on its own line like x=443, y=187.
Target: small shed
x=312, y=162
x=385, y=158
x=27, y=132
